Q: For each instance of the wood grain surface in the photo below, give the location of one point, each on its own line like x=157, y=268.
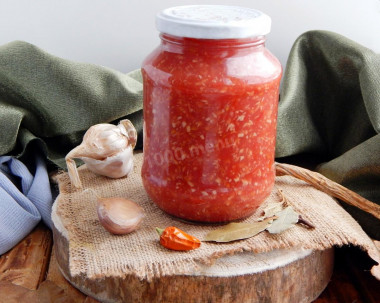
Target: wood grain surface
x=26, y=263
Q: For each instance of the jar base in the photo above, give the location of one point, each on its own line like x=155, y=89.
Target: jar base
x=221, y=209
x=206, y=222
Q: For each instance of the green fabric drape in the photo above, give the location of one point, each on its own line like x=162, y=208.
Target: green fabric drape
x=330, y=107
x=54, y=101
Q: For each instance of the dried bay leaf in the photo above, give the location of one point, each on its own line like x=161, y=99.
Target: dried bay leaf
x=238, y=231
x=286, y=219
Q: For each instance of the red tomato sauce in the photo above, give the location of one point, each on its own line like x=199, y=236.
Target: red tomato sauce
x=210, y=109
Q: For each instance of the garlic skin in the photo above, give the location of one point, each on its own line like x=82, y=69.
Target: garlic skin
x=116, y=166
x=106, y=149
x=119, y=216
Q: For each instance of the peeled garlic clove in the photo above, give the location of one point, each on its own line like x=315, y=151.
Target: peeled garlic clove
x=118, y=215
x=106, y=149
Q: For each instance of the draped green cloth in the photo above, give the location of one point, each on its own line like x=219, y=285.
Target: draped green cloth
x=329, y=107
x=54, y=101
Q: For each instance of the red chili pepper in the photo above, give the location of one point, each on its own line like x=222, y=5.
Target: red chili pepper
x=176, y=239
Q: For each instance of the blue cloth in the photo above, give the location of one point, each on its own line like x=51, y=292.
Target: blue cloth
x=24, y=200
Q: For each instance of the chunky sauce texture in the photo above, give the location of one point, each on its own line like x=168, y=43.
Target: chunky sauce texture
x=210, y=109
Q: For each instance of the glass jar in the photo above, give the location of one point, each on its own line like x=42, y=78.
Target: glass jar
x=211, y=90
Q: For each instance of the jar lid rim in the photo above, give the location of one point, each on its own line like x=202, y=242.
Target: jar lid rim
x=213, y=22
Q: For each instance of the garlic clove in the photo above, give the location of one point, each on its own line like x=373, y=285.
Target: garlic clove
x=127, y=126
x=119, y=216
x=106, y=149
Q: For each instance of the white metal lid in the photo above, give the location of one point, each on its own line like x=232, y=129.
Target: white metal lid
x=213, y=22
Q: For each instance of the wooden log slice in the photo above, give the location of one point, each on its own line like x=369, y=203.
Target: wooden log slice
x=280, y=276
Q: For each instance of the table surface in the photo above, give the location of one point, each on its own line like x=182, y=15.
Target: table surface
x=29, y=273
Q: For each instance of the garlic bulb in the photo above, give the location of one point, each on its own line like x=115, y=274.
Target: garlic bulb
x=106, y=149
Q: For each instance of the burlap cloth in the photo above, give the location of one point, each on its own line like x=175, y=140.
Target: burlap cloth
x=94, y=252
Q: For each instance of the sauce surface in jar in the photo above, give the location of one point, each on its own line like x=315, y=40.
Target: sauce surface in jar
x=210, y=109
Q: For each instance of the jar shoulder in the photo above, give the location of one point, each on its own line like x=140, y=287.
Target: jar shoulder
x=215, y=67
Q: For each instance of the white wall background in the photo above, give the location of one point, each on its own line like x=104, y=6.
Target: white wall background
x=120, y=33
